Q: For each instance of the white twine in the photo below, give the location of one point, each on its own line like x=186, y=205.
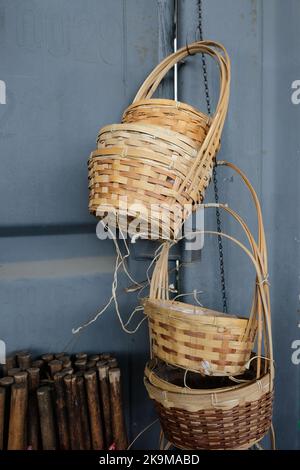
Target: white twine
x=141, y=433
x=139, y=308
x=194, y=293
x=247, y=365
x=184, y=379
x=156, y=255
x=120, y=261
x=265, y=280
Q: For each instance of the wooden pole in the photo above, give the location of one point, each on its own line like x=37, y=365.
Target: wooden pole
x=10, y=364
x=68, y=371
x=17, y=419
x=55, y=366
x=37, y=364
x=105, y=401
x=80, y=364
x=118, y=422
x=66, y=362
x=59, y=355
x=33, y=424
x=61, y=411
x=81, y=355
x=94, y=357
x=112, y=363
x=105, y=356
x=91, y=364
x=85, y=429
x=6, y=383
x=94, y=409
x=2, y=416
x=73, y=412
x=44, y=397
x=13, y=371
x=21, y=377
x=47, y=357
x=33, y=378
x=24, y=360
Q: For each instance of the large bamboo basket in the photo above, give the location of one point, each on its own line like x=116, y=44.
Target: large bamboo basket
x=215, y=418
x=151, y=169
x=200, y=339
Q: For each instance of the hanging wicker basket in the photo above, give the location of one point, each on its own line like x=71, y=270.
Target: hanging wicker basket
x=199, y=339
x=203, y=340
x=153, y=170
x=132, y=175
x=210, y=416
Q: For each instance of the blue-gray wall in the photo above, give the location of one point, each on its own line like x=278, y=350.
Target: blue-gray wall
x=71, y=67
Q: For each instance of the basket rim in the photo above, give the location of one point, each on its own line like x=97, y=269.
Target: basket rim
x=225, y=397
x=157, y=381
x=176, y=311
x=153, y=131
x=168, y=103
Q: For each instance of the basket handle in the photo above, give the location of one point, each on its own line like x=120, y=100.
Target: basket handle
x=159, y=287
x=153, y=80
x=262, y=246
x=214, y=49
x=211, y=141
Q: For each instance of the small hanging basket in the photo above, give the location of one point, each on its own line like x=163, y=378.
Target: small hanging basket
x=229, y=417
x=156, y=170
x=193, y=337
x=199, y=339
x=203, y=340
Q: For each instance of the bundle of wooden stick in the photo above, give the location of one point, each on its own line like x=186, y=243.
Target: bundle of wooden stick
x=61, y=402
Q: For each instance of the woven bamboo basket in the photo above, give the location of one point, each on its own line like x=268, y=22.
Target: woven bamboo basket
x=151, y=171
x=231, y=417
x=173, y=115
x=132, y=175
x=200, y=339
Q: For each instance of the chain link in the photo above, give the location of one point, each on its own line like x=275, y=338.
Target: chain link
x=215, y=179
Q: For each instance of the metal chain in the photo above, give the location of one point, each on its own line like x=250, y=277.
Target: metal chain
x=215, y=179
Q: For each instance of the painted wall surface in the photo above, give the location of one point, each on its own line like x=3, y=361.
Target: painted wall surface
x=71, y=67
x=261, y=136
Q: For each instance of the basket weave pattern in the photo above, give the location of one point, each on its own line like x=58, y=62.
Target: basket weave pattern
x=203, y=341
x=173, y=115
x=217, y=429
x=139, y=164
x=219, y=418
